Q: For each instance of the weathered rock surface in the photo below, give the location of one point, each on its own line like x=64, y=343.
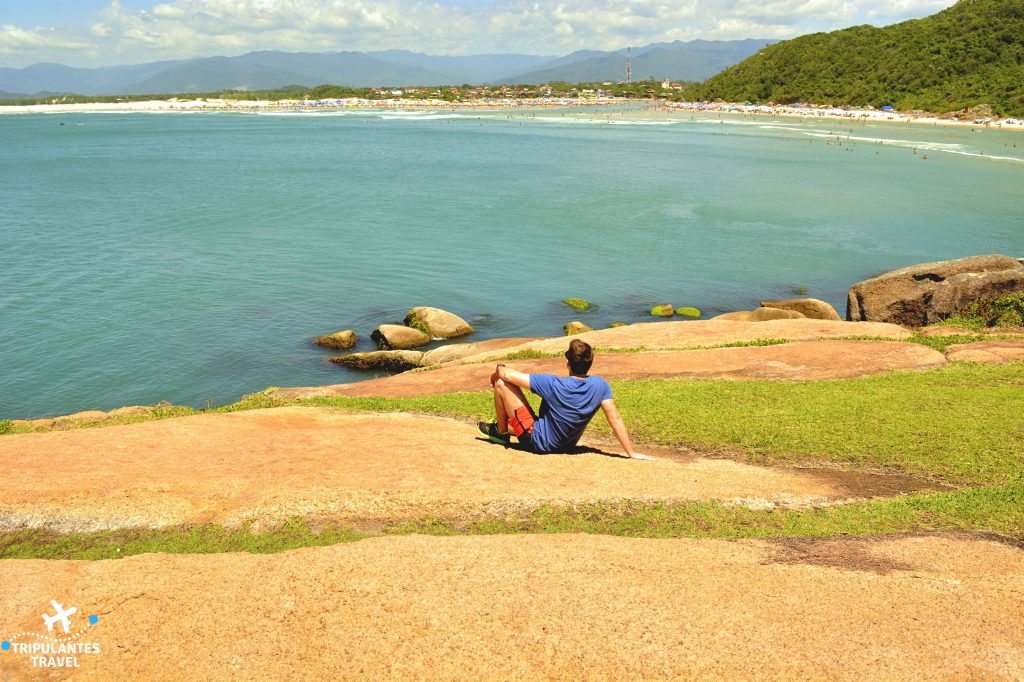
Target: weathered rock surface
x=988, y=352
x=342, y=340
x=131, y=410
x=737, y=316
x=763, y=314
x=457, y=351
x=544, y=607
x=801, y=361
x=84, y=416
x=439, y=324
x=576, y=327
x=389, y=360
x=812, y=308
x=398, y=337
x=272, y=464
x=922, y=294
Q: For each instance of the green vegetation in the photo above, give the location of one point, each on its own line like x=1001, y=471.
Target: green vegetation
x=688, y=311
x=969, y=55
x=1003, y=311
x=578, y=304
x=200, y=539
x=663, y=310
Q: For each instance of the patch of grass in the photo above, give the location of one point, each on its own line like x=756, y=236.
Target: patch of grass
x=941, y=343
x=201, y=539
x=530, y=354
x=996, y=510
x=999, y=510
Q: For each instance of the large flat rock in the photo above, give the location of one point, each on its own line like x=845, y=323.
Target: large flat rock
x=269, y=465
x=801, y=361
x=694, y=334
x=988, y=352
x=553, y=607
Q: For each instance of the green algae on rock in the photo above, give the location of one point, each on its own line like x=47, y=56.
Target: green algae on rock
x=578, y=304
x=688, y=311
x=663, y=310
x=576, y=327
x=342, y=340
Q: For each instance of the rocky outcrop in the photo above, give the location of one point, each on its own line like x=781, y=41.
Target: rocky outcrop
x=388, y=360
x=922, y=294
x=439, y=324
x=342, y=340
x=576, y=327
x=987, y=352
x=764, y=314
x=131, y=411
x=85, y=416
x=812, y=308
x=397, y=337
x=457, y=351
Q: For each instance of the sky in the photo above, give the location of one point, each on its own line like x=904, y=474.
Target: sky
x=90, y=33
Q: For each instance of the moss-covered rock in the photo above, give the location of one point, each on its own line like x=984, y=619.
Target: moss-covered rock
x=342, y=340
x=439, y=324
x=578, y=304
x=687, y=311
x=619, y=324
x=388, y=360
x=664, y=310
x=576, y=327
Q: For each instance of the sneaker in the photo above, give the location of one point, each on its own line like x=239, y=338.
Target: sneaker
x=489, y=430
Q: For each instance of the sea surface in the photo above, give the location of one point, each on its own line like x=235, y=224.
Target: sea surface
x=191, y=257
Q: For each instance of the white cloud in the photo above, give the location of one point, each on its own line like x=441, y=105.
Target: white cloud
x=185, y=28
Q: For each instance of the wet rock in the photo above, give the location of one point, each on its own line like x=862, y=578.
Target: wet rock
x=342, y=340
x=439, y=324
x=664, y=310
x=576, y=327
x=578, y=304
x=812, y=308
x=688, y=311
x=397, y=337
x=389, y=360
x=764, y=314
x=922, y=294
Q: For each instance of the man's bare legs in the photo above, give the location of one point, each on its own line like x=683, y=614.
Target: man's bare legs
x=507, y=399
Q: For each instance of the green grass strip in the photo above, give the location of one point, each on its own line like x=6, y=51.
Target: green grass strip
x=991, y=510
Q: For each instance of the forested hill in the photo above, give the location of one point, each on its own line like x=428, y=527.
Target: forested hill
x=964, y=56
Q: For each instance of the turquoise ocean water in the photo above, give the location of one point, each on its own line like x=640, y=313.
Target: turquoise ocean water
x=186, y=257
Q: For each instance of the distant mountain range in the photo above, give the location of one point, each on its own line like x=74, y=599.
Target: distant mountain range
x=967, y=55
x=687, y=61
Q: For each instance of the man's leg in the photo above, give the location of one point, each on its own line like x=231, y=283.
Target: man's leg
x=507, y=399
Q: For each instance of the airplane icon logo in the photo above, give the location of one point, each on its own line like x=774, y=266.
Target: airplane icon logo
x=62, y=615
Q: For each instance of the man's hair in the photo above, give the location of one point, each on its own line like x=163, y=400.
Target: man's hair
x=580, y=356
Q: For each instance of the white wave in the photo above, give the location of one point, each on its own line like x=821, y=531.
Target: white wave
x=309, y=114
x=641, y=123
x=424, y=117
x=915, y=144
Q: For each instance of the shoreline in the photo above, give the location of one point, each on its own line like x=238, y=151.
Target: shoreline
x=805, y=113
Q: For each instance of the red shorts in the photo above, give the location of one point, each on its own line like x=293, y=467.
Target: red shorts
x=521, y=421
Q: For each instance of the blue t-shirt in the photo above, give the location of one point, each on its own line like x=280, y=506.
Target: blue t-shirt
x=567, y=406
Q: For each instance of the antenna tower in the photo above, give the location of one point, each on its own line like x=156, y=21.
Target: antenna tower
x=629, y=66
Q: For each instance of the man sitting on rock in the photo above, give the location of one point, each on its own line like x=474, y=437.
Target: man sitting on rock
x=567, y=405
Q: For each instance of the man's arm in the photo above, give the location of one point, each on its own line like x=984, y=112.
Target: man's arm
x=611, y=412
x=511, y=376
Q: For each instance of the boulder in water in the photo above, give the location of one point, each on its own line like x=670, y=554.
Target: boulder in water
x=812, y=308
x=764, y=314
x=687, y=311
x=919, y=295
x=388, y=360
x=437, y=323
x=578, y=304
x=397, y=337
x=663, y=310
x=342, y=340
x=576, y=327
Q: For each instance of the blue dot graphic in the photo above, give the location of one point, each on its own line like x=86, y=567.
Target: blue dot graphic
x=6, y=645
x=93, y=619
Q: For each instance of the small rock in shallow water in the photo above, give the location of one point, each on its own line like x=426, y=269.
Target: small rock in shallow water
x=389, y=360
x=664, y=310
x=397, y=337
x=578, y=304
x=576, y=327
x=439, y=324
x=342, y=340
x=688, y=312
